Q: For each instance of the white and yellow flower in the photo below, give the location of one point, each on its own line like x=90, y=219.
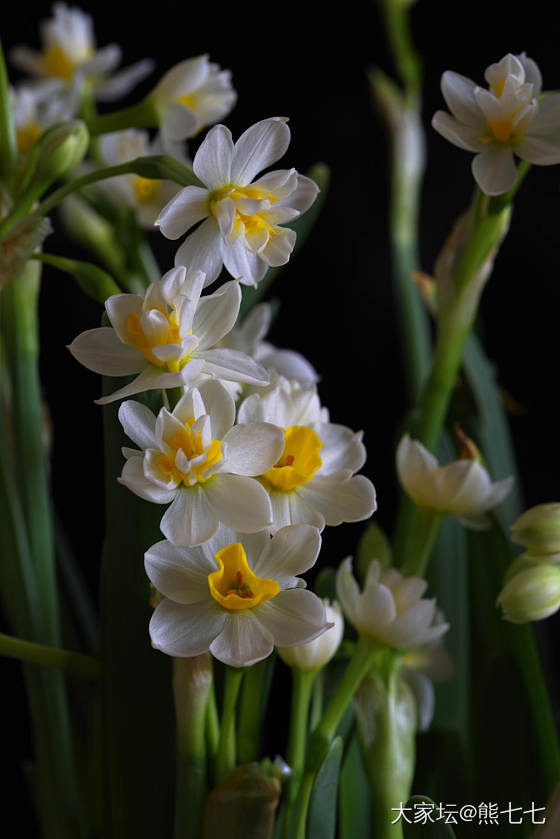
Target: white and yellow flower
x=70, y=56
x=192, y=95
x=463, y=488
x=314, y=655
x=168, y=337
x=197, y=459
x=313, y=481
x=237, y=596
x=241, y=218
x=36, y=108
x=504, y=119
x=390, y=610
x=146, y=196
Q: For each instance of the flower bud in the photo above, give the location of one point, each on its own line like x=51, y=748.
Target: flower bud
x=317, y=653
x=62, y=148
x=244, y=803
x=531, y=595
x=538, y=529
x=521, y=563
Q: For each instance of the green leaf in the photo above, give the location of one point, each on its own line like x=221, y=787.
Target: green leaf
x=374, y=544
x=321, y=822
x=94, y=281
x=138, y=715
x=429, y=830
x=354, y=797
x=320, y=173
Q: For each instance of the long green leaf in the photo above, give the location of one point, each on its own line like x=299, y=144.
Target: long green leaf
x=321, y=821
x=354, y=796
x=429, y=829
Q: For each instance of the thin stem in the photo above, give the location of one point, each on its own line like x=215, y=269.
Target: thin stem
x=251, y=711
x=141, y=115
x=317, y=700
x=8, y=145
x=302, y=685
x=426, y=533
x=226, y=758
x=212, y=723
x=83, y=666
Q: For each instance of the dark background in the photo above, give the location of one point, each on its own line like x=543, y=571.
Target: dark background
x=310, y=63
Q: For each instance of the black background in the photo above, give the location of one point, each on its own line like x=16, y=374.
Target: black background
x=309, y=63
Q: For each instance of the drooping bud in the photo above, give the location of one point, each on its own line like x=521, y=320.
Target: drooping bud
x=538, y=529
x=531, y=595
x=317, y=653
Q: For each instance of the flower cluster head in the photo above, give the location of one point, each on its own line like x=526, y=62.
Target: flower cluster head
x=196, y=458
x=317, y=653
x=507, y=118
x=241, y=218
x=313, y=481
x=168, y=337
x=36, y=108
x=462, y=488
x=390, y=610
x=236, y=596
x=69, y=55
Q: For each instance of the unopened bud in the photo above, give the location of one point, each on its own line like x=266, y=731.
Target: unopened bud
x=538, y=529
x=244, y=804
x=62, y=148
x=317, y=653
x=531, y=595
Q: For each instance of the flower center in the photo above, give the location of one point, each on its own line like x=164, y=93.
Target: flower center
x=300, y=459
x=190, y=100
x=145, y=188
x=58, y=63
x=255, y=226
x=234, y=586
x=502, y=129
x=167, y=333
x=193, y=462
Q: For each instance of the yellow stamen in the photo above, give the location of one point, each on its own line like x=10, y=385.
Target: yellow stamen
x=190, y=100
x=234, y=586
x=249, y=224
x=300, y=459
x=59, y=64
x=138, y=339
x=145, y=188
x=191, y=444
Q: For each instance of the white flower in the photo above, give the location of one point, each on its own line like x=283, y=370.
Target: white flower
x=462, y=488
x=313, y=481
x=167, y=337
x=506, y=118
x=146, y=196
x=69, y=55
x=236, y=596
x=317, y=653
x=242, y=218
x=199, y=460
x=192, y=95
x=35, y=108
x=390, y=609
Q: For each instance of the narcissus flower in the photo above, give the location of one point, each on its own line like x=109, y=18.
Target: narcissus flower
x=317, y=653
x=69, y=55
x=390, y=610
x=35, y=108
x=504, y=119
x=241, y=218
x=167, y=337
x=146, y=196
x=192, y=95
x=236, y=596
x=462, y=488
x=196, y=458
x=313, y=481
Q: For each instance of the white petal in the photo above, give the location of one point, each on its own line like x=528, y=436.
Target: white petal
x=190, y=519
x=541, y=144
x=293, y=617
x=347, y=590
x=243, y=641
x=242, y=264
x=494, y=170
x=259, y=147
x=254, y=448
x=185, y=209
x=342, y=448
x=212, y=161
x=216, y=314
x=182, y=79
x=121, y=83
x=457, y=133
x=178, y=122
x=290, y=552
x=303, y=195
x=138, y=423
x=239, y=502
x=290, y=364
x=279, y=247
x=151, y=378
x=202, y=250
x=119, y=307
x=134, y=479
x=302, y=512
x=376, y=610
x=186, y=630
x=458, y=92
x=234, y=366
x=225, y=212
x=340, y=500
x=220, y=405
x=102, y=351
x=532, y=73
x=424, y=696
x=179, y=573
x=410, y=627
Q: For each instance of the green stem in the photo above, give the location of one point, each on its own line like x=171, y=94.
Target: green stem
x=141, y=115
x=212, y=723
x=8, y=145
x=302, y=685
x=426, y=533
x=226, y=758
x=317, y=700
x=77, y=664
x=253, y=705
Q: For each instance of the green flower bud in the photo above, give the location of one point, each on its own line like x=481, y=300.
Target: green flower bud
x=61, y=149
x=531, y=595
x=538, y=529
x=521, y=563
